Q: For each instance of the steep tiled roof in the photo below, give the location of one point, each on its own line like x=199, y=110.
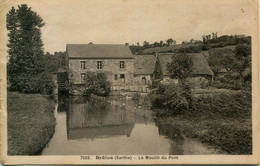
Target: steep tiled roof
x=144, y=64
x=98, y=51
x=200, y=64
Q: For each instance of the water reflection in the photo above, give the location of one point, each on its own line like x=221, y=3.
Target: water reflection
x=90, y=126
x=63, y=103
x=96, y=119
x=175, y=135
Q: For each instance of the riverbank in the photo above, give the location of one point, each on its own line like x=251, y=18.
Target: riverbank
x=223, y=121
x=31, y=123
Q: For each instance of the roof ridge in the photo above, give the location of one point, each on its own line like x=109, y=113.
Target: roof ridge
x=98, y=50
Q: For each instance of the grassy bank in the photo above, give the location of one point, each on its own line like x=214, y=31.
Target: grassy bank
x=31, y=123
x=223, y=121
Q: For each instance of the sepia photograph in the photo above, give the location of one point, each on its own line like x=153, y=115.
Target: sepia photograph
x=132, y=82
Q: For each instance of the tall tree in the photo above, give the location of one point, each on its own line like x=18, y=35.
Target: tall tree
x=158, y=73
x=11, y=25
x=155, y=44
x=161, y=43
x=145, y=44
x=169, y=41
x=25, y=47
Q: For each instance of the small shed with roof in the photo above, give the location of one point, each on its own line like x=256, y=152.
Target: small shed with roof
x=200, y=68
x=144, y=68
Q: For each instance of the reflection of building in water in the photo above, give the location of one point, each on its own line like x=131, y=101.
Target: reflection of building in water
x=94, y=119
x=100, y=132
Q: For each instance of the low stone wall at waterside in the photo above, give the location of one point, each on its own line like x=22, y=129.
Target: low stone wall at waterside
x=79, y=90
x=131, y=88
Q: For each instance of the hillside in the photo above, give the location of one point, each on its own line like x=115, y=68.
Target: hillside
x=168, y=48
x=228, y=42
x=174, y=48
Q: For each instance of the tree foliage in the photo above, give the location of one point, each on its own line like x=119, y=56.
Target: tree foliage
x=97, y=83
x=176, y=97
x=158, y=73
x=234, y=62
x=54, y=62
x=180, y=66
x=25, y=49
x=169, y=41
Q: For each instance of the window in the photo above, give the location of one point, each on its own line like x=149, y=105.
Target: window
x=122, y=64
x=116, y=77
x=122, y=76
x=99, y=64
x=83, y=64
x=82, y=77
x=144, y=80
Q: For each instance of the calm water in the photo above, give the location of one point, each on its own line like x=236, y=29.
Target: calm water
x=91, y=127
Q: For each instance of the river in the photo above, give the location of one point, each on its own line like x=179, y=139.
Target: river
x=87, y=126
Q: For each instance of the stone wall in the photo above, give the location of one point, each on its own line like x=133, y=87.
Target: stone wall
x=110, y=66
x=138, y=80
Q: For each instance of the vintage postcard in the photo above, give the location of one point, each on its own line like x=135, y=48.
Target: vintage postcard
x=129, y=82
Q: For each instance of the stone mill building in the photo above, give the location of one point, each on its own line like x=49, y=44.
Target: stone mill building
x=124, y=70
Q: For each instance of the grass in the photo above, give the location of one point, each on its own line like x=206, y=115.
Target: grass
x=223, y=121
x=31, y=123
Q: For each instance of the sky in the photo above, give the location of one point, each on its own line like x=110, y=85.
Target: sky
x=132, y=21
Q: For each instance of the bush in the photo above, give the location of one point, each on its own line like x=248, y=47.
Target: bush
x=190, y=49
x=41, y=83
x=228, y=82
x=223, y=105
x=96, y=83
x=176, y=97
x=136, y=96
x=205, y=47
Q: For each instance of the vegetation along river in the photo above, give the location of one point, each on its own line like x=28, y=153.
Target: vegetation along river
x=88, y=126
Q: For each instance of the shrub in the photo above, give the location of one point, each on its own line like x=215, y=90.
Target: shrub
x=136, y=96
x=157, y=100
x=223, y=105
x=176, y=97
x=96, y=83
x=40, y=83
x=205, y=47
